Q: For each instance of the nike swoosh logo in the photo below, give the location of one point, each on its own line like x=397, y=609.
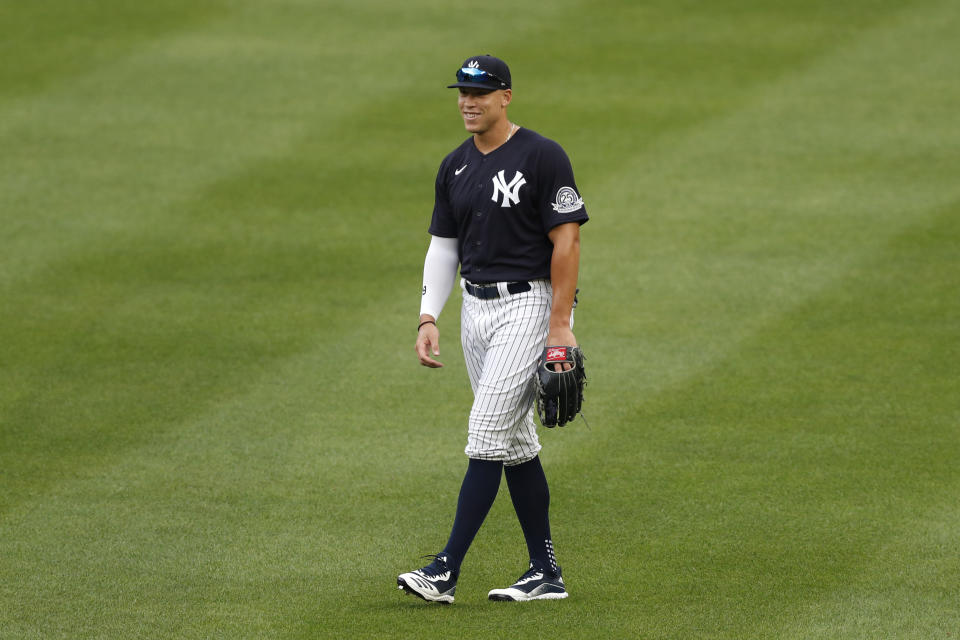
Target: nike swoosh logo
x=460, y=170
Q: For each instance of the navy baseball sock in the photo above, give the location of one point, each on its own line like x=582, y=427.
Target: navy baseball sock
x=531, y=500
x=477, y=493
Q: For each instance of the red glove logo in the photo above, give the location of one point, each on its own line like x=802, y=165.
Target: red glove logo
x=556, y=354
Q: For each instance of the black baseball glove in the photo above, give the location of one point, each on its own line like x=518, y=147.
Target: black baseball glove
x=559, y=393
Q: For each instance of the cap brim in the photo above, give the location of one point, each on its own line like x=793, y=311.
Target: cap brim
x=474, y=85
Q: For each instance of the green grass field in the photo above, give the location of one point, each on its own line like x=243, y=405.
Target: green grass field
x=213, y=219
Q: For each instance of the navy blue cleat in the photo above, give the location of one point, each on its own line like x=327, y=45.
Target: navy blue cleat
x=537, y=583
x=436, y=582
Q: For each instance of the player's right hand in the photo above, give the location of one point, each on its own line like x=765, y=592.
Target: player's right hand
x=428, y=340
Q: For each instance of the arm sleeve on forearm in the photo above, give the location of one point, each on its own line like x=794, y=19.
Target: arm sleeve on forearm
x=439, y=273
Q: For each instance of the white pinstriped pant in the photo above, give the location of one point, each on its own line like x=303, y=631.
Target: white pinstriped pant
x=502, y=339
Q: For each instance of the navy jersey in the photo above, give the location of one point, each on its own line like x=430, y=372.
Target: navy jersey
x=500, y=206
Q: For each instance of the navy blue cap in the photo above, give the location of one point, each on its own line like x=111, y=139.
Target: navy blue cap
x=483, y=72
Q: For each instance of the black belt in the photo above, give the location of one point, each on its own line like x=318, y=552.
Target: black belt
x=490, y=291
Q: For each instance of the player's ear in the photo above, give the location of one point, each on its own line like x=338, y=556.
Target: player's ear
x=506, y=96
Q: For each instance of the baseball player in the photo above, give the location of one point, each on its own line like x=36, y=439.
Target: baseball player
x=508, y=212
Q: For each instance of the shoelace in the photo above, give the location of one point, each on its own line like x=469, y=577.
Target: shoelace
x=436, y=567
x=532, y=570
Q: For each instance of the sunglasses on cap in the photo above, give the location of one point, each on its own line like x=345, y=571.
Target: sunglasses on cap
x=469, y=74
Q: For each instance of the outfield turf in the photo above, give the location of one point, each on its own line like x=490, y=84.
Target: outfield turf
x=213, y=218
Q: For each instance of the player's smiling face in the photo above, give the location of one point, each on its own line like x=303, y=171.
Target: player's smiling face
x=482, y=109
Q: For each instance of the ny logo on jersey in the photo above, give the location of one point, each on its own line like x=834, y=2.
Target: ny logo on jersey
x=510, y=191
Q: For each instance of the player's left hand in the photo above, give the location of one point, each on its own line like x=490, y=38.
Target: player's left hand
x=564, y=337
x=559, y=393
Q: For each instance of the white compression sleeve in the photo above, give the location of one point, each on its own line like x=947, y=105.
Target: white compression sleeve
x=439, y=273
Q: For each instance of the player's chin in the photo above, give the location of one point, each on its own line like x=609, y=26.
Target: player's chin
x=473, y=125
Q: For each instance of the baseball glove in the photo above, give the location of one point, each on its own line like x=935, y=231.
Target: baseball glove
x=559, y=393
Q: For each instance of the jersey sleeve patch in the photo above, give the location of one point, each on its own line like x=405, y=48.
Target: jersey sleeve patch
x=567, y=201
